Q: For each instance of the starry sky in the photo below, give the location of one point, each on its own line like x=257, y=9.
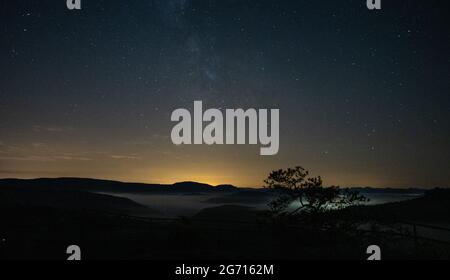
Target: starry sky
x=363, y=95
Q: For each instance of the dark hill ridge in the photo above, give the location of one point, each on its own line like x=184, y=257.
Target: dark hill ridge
x=70, y=199
x=433, y=206
x=97, y=185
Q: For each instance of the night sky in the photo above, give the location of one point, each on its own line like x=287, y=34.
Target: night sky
x=363, y=95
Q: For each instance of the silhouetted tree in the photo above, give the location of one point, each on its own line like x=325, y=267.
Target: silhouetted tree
x=299, y=193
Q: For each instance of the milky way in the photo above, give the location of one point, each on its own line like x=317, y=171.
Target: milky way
x=363, y=95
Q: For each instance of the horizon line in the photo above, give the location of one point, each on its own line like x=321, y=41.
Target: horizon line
x=212, y=185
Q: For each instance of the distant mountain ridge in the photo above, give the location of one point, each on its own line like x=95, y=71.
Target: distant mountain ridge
x=103, y=185
x=99, y=185
x=388, y=190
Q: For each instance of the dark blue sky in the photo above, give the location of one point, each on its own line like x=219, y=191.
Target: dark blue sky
x=363, y=95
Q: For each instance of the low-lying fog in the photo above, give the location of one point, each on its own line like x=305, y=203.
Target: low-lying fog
x=173, y=205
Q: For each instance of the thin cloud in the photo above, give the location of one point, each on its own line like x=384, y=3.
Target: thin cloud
x=53, y=129
x=125, y=157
